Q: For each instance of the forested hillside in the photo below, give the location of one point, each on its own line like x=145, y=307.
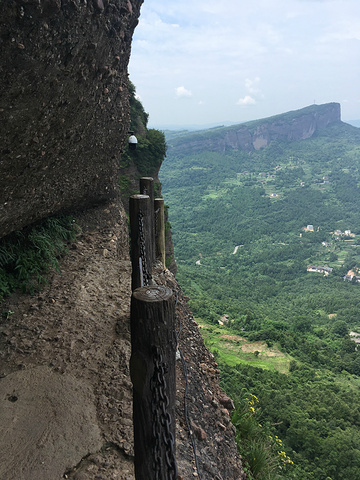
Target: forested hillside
x=268, y=249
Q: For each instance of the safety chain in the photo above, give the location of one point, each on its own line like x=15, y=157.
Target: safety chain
x=162, y=434
x=146, y=276
x=156, y=221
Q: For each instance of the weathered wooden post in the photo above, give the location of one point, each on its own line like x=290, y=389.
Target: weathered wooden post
x=147, y=188
x=141, y=224
x=159, y=230
x=152, y=368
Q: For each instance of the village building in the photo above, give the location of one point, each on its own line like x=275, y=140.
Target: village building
x=355, y=337
x=324, y=270
x=349, y=277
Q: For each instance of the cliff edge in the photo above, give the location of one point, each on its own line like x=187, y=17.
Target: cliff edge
x=65, y=389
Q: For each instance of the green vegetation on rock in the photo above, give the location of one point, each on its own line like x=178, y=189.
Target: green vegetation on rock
x=26, y=256
x=151, y=147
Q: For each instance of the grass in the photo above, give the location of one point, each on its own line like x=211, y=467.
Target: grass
x=260, y=451
x=26, y=256
x=233, y=349
x=347, y=380
x=211, y=194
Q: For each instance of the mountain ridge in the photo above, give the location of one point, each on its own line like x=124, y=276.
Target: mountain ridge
x=258, y=134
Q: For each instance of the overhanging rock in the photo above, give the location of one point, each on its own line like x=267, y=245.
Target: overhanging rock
x=64, y=109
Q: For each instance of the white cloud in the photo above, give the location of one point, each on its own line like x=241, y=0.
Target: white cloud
x=252, y=86
x=246, y=101
x=294, y=47
x=183, y=92
x=254, y=92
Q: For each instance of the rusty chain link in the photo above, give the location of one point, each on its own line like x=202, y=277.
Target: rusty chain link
x=162, y=434
x=156, y=222
x=146, y=276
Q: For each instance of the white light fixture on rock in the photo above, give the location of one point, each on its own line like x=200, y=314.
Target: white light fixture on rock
x=132, y=141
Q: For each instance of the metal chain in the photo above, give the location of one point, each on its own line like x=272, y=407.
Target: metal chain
x=156, y=221
x=162, y=434
x=146, y=276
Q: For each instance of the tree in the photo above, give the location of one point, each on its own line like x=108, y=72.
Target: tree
x=302, y=324
x=340, y=328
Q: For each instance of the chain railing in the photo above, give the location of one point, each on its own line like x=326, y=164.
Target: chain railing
x=162, y=422
x=153, y=346
x=145, y=275
x=145, y=219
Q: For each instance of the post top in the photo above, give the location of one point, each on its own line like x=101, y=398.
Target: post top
x=139, y=196
x=152, y=293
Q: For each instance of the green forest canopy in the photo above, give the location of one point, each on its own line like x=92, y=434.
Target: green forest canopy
x=239, y=228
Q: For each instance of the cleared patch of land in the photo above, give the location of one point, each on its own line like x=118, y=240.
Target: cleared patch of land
x=234, y=349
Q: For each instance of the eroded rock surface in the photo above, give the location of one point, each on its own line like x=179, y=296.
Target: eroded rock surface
x=64, y=108
x=48, y=424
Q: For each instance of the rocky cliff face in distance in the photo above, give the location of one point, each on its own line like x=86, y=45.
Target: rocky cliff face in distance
x=63, y=104
x=295, y=125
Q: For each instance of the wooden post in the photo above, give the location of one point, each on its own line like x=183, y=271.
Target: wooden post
x=141, y=214
x=152, y=369
x=147, y=188
x=159, y=230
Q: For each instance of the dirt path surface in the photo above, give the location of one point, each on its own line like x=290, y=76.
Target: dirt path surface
x=65, y=389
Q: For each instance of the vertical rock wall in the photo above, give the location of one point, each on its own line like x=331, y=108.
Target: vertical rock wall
x=64, y=109
x=289, y=127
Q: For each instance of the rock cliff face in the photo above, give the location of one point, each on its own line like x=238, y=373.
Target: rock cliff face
x=63, y=104
x=292, y=126
x=64, y=354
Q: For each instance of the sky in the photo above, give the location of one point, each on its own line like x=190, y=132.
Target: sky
x=217, y=62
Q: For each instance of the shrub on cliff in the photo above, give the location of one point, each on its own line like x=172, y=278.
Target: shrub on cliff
x=27, y=255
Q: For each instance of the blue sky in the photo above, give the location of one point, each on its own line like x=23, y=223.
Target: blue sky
x=203, y=62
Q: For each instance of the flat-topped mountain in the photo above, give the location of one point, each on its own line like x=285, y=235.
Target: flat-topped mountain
x=295, y=125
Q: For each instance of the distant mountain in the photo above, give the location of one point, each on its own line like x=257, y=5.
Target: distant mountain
x=189, y=126
x=256, y=135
